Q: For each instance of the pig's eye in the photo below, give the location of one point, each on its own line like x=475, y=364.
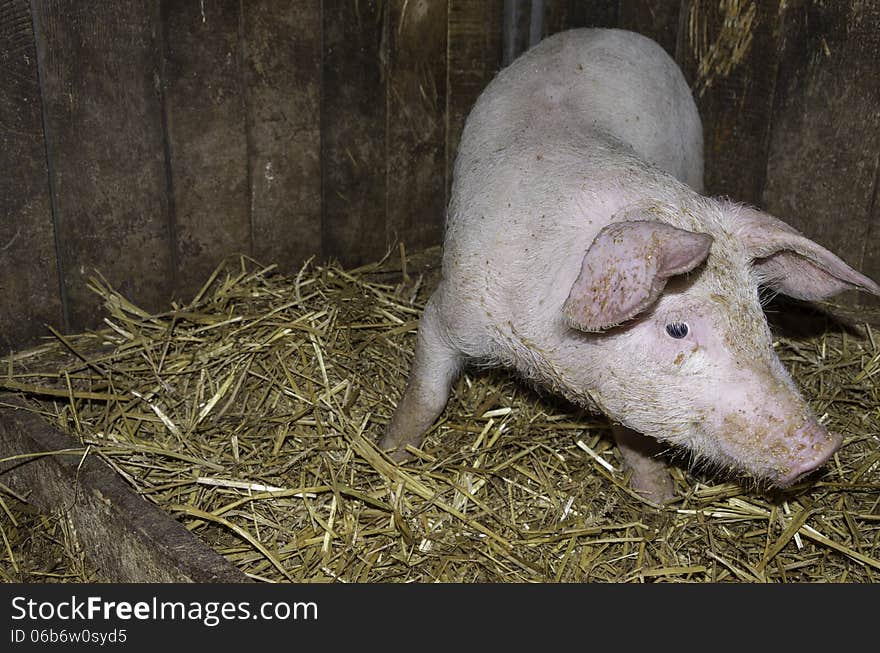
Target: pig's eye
x=677, y=330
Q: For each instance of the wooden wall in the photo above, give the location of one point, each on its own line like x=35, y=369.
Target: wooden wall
x=789, y=92
x=147, y=139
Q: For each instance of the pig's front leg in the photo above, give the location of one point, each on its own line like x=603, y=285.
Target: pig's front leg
x=650, y=477
x=435, y=368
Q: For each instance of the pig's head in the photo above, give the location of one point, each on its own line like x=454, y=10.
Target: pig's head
x=672, y=297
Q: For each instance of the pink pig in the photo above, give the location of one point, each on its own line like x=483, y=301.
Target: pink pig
x=580, y=251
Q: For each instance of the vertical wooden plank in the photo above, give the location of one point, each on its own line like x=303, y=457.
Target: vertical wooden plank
x=822, y=169
x=353, y=111
x=29, y=292
x=101, y=89
x=657, y=19
x=596, y=13
x=515, y=29
x=561, y=15
x=473, y=58
x=416, y=164
x=283, y=75
x=729, y=53
x=207, y=142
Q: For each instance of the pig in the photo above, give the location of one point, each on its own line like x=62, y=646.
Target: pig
x=581, y=251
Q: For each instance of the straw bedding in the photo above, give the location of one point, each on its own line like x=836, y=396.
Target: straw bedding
x=251, y=415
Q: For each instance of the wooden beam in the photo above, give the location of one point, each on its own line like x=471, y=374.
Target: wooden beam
x=126, y=538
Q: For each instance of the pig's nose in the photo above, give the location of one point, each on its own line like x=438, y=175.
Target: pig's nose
x=812, y=445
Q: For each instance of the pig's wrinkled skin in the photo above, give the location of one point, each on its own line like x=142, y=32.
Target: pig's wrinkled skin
x=576, y=234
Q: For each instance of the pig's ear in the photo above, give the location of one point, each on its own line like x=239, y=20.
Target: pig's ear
x=626, y=268
x=791, y=263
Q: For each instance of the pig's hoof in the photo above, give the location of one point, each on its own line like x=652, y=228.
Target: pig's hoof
x=395, y=450
x=656, y=486
x=400, y=455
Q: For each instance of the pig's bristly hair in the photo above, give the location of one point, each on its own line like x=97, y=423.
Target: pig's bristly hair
x=766, y=293
x=699, y=463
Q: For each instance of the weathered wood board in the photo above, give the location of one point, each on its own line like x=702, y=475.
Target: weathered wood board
x=102, y=92
x=824, y=146
x=124, y=537
x=416, y=118
x=206, y=136
x=561, y=15
x=729, y=53
x=29, y=292
x=353, y=127
x=282, y=52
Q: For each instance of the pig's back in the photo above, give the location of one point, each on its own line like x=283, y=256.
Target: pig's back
x=603, y=80
x=553, y=147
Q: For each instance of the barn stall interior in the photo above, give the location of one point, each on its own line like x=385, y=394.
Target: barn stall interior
x=220, y=222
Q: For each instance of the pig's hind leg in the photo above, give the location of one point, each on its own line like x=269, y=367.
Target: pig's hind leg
x=435, y=367
x=650, y=476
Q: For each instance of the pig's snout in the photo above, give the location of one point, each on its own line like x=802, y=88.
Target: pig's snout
x=813, y=446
